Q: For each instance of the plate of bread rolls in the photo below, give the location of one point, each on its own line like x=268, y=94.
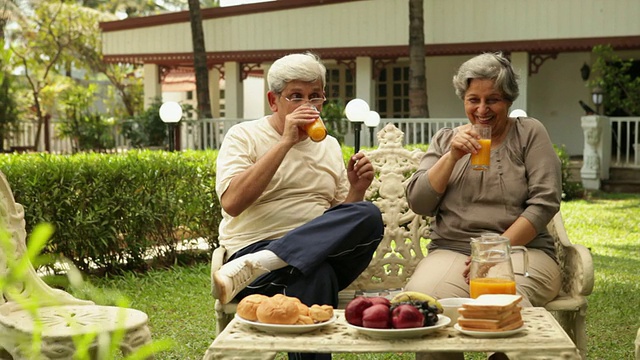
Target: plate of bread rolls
x=281, y=314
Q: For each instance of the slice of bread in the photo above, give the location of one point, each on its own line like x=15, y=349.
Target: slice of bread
x=493, y=302
x=490, y=324
x=489, y=314
x=512, y=326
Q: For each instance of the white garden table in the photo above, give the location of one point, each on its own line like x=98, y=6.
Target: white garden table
x=543, y=338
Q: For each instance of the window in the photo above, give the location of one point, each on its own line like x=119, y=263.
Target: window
x=340, y=84
x=392, y=91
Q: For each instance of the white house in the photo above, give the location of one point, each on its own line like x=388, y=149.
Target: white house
x=365, y=46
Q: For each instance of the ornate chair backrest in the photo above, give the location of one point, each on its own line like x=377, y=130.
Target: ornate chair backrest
x=399, y=252
x=13, y=239
x=577, y=270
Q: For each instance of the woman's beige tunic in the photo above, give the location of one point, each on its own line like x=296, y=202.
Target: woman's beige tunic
x=524, y=179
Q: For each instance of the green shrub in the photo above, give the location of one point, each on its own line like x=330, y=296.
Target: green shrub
x=570, y=189
x=147, y=129
x=110, y=209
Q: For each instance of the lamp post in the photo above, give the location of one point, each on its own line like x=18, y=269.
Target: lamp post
x=357, y=111
x=597, y=96
x=372, y=120
x=171, y=113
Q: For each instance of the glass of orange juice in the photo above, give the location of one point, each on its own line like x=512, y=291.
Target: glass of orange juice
x=316, y=130
x=482, y=159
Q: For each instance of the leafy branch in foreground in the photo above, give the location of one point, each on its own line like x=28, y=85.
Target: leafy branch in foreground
x=35, y=304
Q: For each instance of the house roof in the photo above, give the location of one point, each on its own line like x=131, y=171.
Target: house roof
x=545, y=46
x=385, y=52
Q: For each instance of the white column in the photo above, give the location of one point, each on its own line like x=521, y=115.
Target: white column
x=597, y=151
x=152, y=87
x=364, y=90
x=364, y=83
x=520, y=63
x=265, y=71
x=214, y=92
x=233, y=90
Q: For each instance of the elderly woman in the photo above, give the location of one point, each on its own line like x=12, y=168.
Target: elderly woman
x=516, y=197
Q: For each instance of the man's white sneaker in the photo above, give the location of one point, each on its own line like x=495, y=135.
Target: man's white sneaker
x=235, y=276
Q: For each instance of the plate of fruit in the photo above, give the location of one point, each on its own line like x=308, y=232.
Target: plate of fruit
x=409, y=314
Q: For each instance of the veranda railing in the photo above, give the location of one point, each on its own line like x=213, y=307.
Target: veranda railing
x=209, y=133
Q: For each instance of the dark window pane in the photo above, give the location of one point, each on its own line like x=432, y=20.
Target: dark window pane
x=382, y=90
x=397, y=74
x=349, y=91
x=383, y=75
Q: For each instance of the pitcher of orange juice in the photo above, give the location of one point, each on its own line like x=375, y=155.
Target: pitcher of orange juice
x=491, y=270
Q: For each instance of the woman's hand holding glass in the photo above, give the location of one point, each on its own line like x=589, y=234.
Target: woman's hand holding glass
x=464, y=142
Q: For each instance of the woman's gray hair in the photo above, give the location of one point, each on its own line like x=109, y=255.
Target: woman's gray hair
x=493, y=66
x=300, y=67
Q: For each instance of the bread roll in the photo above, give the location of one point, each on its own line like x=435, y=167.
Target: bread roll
x=304, y=309
x=248, y=306
x=321, y=313
x=304, y=320
x=278, y=309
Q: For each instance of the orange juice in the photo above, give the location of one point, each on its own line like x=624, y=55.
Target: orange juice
x=481, y=160
x=481, y=286
x=316, y=130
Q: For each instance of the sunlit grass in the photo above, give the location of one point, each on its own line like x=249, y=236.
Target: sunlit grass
x=610, y=226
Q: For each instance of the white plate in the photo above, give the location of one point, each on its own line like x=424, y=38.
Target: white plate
x=285, y=329
x=402, y=333
x=489, y=334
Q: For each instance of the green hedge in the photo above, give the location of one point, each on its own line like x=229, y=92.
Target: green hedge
x=110, y=209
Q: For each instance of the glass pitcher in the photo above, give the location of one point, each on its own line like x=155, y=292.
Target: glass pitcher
x=491, y=270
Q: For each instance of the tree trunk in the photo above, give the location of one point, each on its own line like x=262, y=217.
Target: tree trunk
x=418, y=104
x=200, y=61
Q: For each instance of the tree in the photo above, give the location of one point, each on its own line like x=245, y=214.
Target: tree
x=200, y=61
x=9, y=111
x=38, y=50
x=621, y=88
x=88, y=49
x=8, y=10
x=418, y=99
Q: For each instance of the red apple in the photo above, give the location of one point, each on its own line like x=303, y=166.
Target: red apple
x=406, y=316
x=355, y=308
x=377, y=316
x=380, y=300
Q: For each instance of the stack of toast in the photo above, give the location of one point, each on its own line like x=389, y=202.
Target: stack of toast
x=491, y=313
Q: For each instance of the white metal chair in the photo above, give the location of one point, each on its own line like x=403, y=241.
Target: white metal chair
x=30, y=306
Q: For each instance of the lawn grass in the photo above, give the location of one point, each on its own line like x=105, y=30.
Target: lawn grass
x=180, y=306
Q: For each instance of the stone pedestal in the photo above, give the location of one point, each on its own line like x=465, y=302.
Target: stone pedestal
x=597, y=151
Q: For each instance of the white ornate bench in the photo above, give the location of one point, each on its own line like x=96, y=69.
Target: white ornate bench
x=29, y=306
x=638, y=345
x=400, y=250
